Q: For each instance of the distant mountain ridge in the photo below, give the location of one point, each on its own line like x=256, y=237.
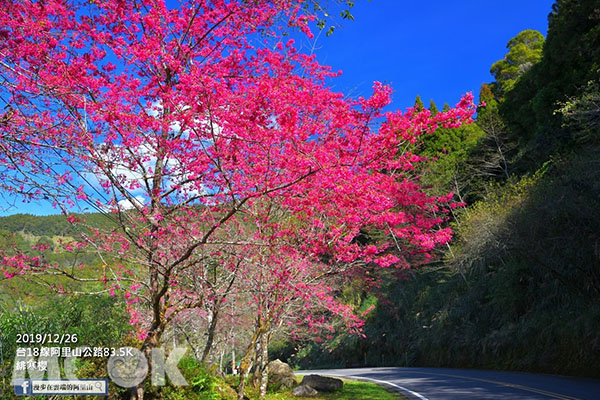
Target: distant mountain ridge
x=49, y=225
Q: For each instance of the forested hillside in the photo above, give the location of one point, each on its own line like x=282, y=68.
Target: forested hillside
x=519, y=286
x=49, y=238
x=50, y=225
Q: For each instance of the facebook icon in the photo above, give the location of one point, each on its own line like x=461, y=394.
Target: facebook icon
x=22, y=387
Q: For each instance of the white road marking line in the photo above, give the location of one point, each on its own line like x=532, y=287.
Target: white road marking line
x=417, y=395
x=511, y=385
x=421, y=397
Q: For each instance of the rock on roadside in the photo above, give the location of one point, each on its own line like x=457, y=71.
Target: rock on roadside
x=322, y=383
x=304, y=391
x=281, y=374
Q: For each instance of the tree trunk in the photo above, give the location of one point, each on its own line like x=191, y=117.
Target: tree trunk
x=221, y=361
x=211, y=334
x=152, y=341
x=245, y=366
x=217, y=302
x=233, y=365
x=137, y=392
x=264, y=381
x=246, y=363
x=257, y=362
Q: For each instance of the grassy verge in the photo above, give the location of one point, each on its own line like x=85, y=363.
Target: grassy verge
x=352, y=390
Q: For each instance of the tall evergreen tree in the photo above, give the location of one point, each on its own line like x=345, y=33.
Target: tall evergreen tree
x=419, y=106
x=524, y=50
x=432, y=107
x=491, y=158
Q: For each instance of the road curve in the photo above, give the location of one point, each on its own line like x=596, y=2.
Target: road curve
x=461, y=384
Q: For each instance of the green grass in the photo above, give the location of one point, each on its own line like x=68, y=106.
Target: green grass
x=352, y=390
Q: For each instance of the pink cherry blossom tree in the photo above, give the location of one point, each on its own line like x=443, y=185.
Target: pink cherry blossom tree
x=185, y=126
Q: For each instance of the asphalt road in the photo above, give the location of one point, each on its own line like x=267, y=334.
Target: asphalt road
x=451, y=384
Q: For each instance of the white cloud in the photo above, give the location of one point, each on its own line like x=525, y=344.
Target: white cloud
x=125, y=204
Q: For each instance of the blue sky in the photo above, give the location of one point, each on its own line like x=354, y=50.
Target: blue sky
x=437, y=49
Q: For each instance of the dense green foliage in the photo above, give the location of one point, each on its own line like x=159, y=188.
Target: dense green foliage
x=519, y=291
x=570, y=61
x=519, y=288
x=451, y=150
